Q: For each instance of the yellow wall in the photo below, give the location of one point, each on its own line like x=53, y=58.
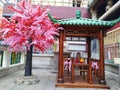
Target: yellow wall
x=1, y=11
x=112, y=37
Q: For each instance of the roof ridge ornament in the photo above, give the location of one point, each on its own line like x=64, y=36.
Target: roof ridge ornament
x=78, y=14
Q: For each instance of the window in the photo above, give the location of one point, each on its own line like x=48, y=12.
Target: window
x=15, y=57
x=53, y=2
x=1, y=58
x=76, y=3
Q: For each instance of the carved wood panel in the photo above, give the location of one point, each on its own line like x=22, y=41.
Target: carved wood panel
x=83, y=33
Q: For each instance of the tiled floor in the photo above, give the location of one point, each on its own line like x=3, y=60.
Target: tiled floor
x=47, y=82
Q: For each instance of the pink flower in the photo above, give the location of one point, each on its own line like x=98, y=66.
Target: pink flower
x=28, y=22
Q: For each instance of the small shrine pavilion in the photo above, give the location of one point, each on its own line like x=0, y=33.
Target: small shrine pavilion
x=89, y=29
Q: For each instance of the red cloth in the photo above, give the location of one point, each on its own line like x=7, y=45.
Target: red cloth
x=76, y=60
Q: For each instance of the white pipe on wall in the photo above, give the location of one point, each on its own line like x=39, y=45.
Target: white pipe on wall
x=111, y=10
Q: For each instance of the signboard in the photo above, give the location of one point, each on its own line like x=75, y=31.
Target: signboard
x=76, y=47
x=117, y=60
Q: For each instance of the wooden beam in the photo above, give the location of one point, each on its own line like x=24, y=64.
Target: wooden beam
x=82, y=35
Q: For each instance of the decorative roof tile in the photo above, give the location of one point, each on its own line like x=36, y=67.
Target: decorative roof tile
x=84, y=21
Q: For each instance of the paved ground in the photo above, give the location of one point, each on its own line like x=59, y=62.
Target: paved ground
x=47, y=82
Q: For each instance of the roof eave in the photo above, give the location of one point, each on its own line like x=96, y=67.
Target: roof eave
x=85, y=22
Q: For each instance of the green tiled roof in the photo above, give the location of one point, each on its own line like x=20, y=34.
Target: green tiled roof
x=84, y=21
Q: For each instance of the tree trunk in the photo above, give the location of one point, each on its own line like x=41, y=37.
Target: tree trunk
x=28, y=66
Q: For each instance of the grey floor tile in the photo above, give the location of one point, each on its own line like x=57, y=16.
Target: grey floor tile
x=50, y=88
x=47, y=82
x=64, y=88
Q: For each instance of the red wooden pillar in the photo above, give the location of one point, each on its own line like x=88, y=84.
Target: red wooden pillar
x=60, y=62
x=88, y=48
x=89, y=60
x=72, y=76
x=102, y=67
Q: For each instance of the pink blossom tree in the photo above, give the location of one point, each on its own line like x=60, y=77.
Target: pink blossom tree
x=29, y=26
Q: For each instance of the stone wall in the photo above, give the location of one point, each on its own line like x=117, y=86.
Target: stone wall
x=113, y=68
x=7, y=70
x=42, y=61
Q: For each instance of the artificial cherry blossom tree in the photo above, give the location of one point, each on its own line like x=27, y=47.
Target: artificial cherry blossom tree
x=29, y=26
